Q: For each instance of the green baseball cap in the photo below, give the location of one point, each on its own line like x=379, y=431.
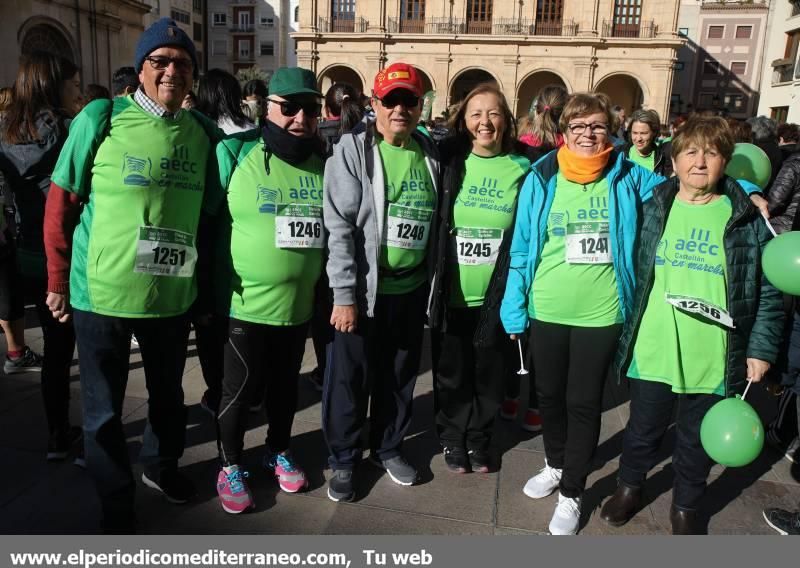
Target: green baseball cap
x=293, y=81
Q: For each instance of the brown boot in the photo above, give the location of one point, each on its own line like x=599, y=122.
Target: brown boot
x=684, y=521
x=622, y=506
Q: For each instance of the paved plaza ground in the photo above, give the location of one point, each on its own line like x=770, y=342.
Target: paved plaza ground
x=41, y=497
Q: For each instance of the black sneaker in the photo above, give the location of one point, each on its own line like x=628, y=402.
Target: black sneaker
x=30, y=360
x=480, y=461
x=340, y=486
x=456, y=459
x=783, y=521
x=176, y=487
x=61, y=442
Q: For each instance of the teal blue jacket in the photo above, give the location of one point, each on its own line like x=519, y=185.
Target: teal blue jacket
x=629, y=186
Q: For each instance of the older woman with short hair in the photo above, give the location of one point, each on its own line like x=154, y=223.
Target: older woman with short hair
x=704, y=319
x=571, y=282
x=643, y=147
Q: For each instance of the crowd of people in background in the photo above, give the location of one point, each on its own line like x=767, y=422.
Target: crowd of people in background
x=264, y=213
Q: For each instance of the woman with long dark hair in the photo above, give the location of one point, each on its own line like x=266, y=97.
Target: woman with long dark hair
x=219, y=98
x=342, y=112
x=46, y=96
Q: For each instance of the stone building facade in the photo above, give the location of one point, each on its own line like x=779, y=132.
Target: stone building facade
x=625, y=48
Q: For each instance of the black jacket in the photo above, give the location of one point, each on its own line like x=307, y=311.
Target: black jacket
x=754, y=304
x=784, y=195
x=453, y=153
x=663, y=161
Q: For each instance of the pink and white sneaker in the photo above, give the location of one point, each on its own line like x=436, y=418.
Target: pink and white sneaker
x=234, y=494
x=289, y=475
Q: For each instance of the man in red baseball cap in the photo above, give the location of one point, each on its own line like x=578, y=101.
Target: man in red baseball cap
x=379, y=204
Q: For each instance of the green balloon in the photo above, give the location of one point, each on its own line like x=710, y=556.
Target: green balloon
x=731, y=433
x=751, y=163
x=781, y=262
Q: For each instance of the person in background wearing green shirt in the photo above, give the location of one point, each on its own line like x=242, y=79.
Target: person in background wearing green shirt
x=482, y=171
x=705, y=318
x=272, y=246
x=380, y=203
x=122, y=224
x=644, y=149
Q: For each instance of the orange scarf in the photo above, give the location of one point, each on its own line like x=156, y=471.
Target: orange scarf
x=582, y=169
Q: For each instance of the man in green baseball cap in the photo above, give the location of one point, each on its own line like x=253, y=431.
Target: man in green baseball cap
x=275, y=246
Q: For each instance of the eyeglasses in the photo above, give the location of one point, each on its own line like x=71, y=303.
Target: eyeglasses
x=291, y=108
x=398, y=97
x=597, y=128
x=161, y=62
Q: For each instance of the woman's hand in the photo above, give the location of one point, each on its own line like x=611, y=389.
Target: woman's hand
x=756, y=369
x=762, y=205
x=59, y=306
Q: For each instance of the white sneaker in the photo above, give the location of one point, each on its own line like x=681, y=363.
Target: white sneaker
x=543, y=483
x=566, y=516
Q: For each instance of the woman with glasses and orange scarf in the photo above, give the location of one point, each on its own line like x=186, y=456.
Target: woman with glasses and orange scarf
x=571, y=282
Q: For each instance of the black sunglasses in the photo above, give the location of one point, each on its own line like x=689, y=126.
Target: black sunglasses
x=161, y=62
x=290, y=108
x=398, y=97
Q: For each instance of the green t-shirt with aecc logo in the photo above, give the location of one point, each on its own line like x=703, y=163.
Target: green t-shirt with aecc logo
x=483, y=211
x=275, y=239
x=410, y=203
x=648, y=162
x=575, y=283
x=676, y=347
x=143, y=181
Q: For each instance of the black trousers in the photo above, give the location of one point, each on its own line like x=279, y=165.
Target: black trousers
x=258, y=358
x=468, y=381
x=210, y=339
x=571, y=364
x=514, y=380
x=651, y=415
x=379, y=360
x=104, y=344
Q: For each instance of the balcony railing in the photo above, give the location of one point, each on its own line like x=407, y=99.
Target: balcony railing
x=516, y=26
x=244, y=57
x=782, y=74
x=243, y=29
x=342, y=25
x=406, y=26
x=643, y=30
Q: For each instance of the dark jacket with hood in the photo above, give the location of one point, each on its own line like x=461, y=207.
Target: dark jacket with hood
x=784, y=195
x=754, y=304
x=662, y=162
x=454, y=152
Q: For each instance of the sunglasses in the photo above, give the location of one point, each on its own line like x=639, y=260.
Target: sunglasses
x=406, y=99
x=290, y=108
x=161, y=62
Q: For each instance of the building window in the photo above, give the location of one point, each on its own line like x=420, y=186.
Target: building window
x=795, y=8
x=683, y=32
x=479, y=16
x=779, y=114
x=705, y=100
x=734, y=102
x=267, y=48
x=739, y=67
x=549, y=13
x=412, y=9
x=710, y=67
x=219, y=47
x=180, y=16
x=267, y=22
x=343, y=9
x=627, y=12
x=744, y=32
x=244, y=49
x=197, y=6
x=219, y=19
x=678, y=66
x=297, y=14
x=197, y=34
x=715, y=32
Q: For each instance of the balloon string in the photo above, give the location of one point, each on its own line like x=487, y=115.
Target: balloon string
x=522, y=369
x=747, y=388
x=769, y=226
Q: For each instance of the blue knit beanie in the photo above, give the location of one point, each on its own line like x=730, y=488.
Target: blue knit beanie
x=164, y=32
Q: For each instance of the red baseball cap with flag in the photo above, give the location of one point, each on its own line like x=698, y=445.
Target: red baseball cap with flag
x=397, y=76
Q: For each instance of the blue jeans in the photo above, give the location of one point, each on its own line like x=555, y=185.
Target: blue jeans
x=650, y=416
x=104, y=353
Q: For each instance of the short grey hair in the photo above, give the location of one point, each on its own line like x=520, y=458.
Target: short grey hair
x=764, y=129
x=648, y=117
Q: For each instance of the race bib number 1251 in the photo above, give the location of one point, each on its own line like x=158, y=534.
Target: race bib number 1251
x=165, y=252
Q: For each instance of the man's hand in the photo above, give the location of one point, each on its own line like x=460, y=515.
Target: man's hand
x=344, y=318
x=761, y=203
x=756, y=369
x=59, y=306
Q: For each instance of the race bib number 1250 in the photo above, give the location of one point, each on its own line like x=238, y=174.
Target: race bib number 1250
x=165, y=252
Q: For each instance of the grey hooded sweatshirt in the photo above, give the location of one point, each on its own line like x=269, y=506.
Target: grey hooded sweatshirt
x=354, y=210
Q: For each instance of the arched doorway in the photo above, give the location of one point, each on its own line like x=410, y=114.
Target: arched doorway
x=623, y=90
x=340, y=74
x=48, y=38
x=530, y=87
x=466, y=81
